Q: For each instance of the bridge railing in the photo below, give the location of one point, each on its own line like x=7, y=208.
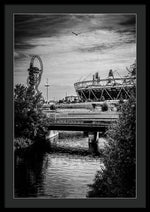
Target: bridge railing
x=94, y=119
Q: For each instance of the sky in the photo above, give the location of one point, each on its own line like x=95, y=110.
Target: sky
x=103, y=42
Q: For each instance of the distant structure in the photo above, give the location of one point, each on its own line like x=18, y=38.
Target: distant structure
x=110, y=88
x=71, y=99
x=35, y=74
x=47, y=86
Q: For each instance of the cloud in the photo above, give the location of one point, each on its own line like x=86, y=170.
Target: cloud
x=129, y=21
x=97, y=48
x=20, y=55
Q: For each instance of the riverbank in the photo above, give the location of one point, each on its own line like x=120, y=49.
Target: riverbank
x=69, y=142
x=24, y=145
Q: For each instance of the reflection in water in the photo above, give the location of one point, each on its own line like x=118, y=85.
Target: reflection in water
x=54, y=175
x=29, y=174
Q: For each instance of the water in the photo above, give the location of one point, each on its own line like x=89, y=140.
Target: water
x=56, y=174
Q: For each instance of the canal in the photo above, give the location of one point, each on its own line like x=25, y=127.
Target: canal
x=64, y=172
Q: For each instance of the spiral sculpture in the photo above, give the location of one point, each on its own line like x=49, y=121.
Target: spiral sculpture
x=35, y=74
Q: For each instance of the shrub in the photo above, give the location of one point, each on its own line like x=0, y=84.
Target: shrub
x=52, y=107
x=22, y=143
x=104, y=107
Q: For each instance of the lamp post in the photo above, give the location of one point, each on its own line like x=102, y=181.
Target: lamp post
x=47, y=86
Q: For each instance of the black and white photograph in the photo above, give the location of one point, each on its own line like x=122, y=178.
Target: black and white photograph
x=75, y=94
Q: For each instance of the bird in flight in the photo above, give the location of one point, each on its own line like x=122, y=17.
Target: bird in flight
x=76, y=33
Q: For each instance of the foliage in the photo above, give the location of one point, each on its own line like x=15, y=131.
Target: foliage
x=52, y=107
x=30, y=122
x=104, y=106
x=118, y=178
x=22, y=143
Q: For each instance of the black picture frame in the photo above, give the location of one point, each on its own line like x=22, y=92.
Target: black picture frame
x=140, y=200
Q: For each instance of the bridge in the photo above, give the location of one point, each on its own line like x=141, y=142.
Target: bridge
x=92, y=122
x=82, y=121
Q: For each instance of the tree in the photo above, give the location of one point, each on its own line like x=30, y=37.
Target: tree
x=118, y=179
x=29, y=118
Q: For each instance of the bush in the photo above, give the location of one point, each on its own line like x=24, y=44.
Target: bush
x=52, y=107
x=119, y=177
x=22, y=143
x=104, y=107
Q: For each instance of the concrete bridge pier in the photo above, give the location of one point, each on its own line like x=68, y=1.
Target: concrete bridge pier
x=93, y=138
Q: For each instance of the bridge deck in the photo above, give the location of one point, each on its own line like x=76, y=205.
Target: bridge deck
x=82, y=121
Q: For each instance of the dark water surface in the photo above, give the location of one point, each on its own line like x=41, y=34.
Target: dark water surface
x=56, y=174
